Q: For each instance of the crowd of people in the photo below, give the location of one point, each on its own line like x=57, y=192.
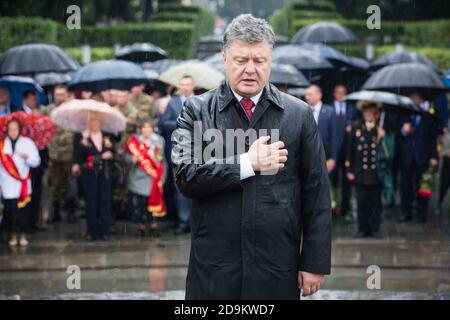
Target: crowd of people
x=130, y=177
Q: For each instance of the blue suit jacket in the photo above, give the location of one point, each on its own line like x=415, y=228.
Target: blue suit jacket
x=421, y=145
x=351, y=114
x=168, y=123
x=329, y=131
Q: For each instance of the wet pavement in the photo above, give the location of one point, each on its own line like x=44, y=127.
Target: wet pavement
x=414, y=262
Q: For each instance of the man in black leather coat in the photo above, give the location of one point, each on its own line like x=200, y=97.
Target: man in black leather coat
x=261, y=216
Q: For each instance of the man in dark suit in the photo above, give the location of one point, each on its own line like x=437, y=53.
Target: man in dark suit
x=417, y=153
x=346, y=113
x=167, y=124
x=325, y=117
x=5, y=104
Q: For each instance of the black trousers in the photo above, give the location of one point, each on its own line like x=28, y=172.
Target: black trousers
x=410, y=176
x=445, y=180
x=16, y=220
x=98, y=199
x=338, y=178
x=369, y=208
x=35, y=204
x=138, y=207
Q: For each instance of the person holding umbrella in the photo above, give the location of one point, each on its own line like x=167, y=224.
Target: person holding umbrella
x=418, y=152
x=97, y=126
x=17, y=155
x=5, y=104
x=363, y=169
x=93, y=160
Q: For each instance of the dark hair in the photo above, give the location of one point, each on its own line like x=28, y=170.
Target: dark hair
x=28, y=93
x=60, y=86
x=146, y=120
x=340, y=85
x=187, y=76
x=14, y=120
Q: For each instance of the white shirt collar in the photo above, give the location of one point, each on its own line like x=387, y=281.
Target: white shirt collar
x=27, y=109
x=255, y=99
x=316, y=111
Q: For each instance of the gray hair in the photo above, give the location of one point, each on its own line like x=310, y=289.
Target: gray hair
x=248, y=29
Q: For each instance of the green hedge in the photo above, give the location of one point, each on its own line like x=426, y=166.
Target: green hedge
x=96, y=53
x=322, y=6
x=292, y=17
x=175, y=38
x=175, y=31
x=17, y=31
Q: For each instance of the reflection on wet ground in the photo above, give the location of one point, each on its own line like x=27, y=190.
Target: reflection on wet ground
x=414, y=261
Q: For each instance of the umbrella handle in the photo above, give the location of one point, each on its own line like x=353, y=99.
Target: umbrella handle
x=382, y=118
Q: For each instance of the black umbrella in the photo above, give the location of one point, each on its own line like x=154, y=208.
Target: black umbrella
x=288, y=75
x=50, y=79
x=301, y=58
x=386, y=98
x=141, y=52
x=108, y=74
x=405, y=78
x=339, y=60
x=207, y=46
x=324, y=32
x=30, y=59
x=281, y=41
x=401, y=57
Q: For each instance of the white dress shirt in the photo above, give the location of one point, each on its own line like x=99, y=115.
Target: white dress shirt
x=27, y=109
x=316, y=111
x=340, y=107
x=10, y=187
x=246, y=169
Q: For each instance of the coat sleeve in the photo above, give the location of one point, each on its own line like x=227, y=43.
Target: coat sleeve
x=79, y=151
x=349, y=152
x=315, y=256
x=335, y=143
x=194, y=177
x=33, y=160
x=168, y=121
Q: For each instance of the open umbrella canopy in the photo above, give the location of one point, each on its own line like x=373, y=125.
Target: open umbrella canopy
x=50, y=79
x=337, y=58
x=141, y=52
x=401, y=57
x=447, y=79
x=154, y=69
x=74, y=116
x=301, y=58
x=324, y=32
x=37, y=127
x=404, y=78
x=288, y=75
x=108, y=74
x=18, y=85
x=387, y=98
x=204, y=75
x=30, y=59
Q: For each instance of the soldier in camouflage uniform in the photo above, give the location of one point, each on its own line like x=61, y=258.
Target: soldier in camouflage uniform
x=143, y=103
x=132, y=115
x=60, y=155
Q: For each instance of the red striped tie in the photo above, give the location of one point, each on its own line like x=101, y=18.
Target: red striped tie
x=248, y=105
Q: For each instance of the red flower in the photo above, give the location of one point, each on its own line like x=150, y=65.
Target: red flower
x=425, y=193
x=90, y=162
